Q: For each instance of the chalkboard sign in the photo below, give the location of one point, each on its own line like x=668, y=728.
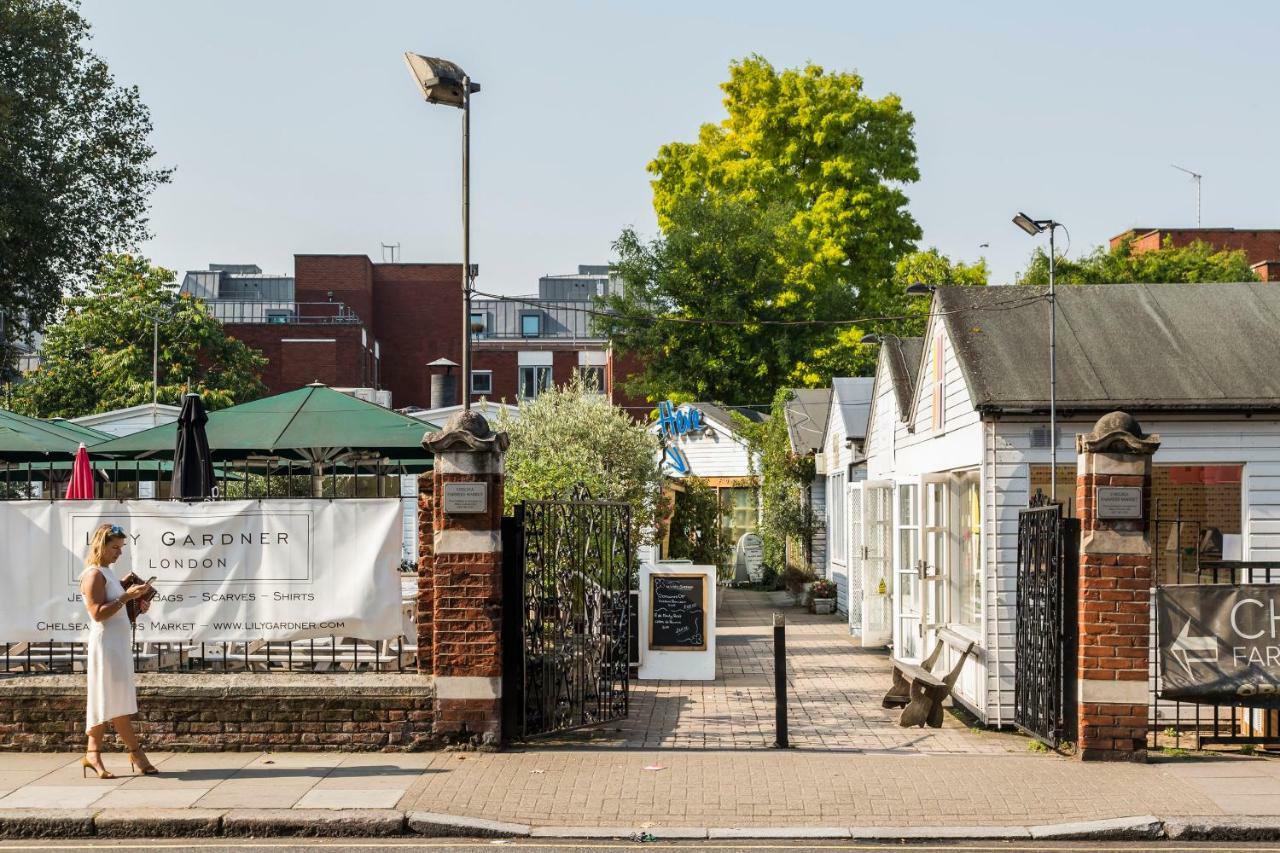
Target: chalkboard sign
x=678, y=613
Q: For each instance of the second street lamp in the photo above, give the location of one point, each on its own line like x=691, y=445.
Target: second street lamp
x=443, y=82
x=1035, y=227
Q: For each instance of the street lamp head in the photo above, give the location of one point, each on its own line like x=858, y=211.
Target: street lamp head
x=439, y=80
x=871, y=338
x=1026, y=223
x=919, y=289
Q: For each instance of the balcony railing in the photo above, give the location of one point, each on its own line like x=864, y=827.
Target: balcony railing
x=283, y=313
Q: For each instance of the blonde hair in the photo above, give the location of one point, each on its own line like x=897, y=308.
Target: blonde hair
x=98, y=542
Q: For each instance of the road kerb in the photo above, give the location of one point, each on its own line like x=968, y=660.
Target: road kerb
x=316, y=823
x=437, y=825
x=158, y=823
x=1223, y=828
x=46, y=823
x=929, y=833
x=1137, y=828
x=778, y=832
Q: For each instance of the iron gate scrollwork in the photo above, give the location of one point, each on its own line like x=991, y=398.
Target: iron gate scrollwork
x=1045, y=645
x=568, y=571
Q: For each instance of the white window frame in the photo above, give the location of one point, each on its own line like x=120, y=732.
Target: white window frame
x=542, y=380
x=595, y=370
x=488, y=374
x=838, y=525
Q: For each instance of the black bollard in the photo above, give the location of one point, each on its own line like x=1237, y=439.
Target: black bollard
x=780, y=681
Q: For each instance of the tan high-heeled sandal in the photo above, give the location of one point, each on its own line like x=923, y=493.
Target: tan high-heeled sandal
x=136, y=765
x=86, y=765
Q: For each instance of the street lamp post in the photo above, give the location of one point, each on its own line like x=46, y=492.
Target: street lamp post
x=1035, y=227
x=443, y=82
x=155, y=319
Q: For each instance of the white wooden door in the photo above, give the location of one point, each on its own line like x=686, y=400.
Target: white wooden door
x=935, y=560
x=906, y=589
x=877, y=562
x=854, y=556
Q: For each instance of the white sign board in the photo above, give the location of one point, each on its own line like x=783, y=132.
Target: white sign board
x=225, y=570
x=466, y=497
x=678, y=662
x=748, y=559
x=1119, y=501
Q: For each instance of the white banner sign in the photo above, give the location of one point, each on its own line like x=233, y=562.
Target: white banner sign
x=225, y=570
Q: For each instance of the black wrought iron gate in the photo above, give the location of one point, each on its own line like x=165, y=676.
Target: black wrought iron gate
x=1045, y=648
x=568, y=570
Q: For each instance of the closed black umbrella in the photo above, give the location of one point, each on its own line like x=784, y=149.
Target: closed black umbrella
x=192, y=467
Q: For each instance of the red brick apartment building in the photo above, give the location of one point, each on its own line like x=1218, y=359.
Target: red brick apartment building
x=347, y=321
x=1260, y=245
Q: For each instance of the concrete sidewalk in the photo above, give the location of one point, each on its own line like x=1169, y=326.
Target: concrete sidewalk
x=622, y=791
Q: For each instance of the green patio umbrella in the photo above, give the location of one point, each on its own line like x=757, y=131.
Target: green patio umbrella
x=24, y=439
x=314, y=425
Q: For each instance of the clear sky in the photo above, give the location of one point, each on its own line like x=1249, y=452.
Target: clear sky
x=295, y=128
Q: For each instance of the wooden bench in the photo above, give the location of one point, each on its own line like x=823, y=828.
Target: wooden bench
x=920, y=691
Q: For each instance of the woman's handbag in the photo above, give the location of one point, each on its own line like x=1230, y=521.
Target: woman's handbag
x=132, y=606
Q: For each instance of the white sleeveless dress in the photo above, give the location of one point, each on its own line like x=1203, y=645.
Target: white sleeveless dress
x=109, y=664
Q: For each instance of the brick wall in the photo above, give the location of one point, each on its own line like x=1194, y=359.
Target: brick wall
x=341, y=363
x=389, y=712
x=1257, y=244
x=419, y=319
x=348, y=277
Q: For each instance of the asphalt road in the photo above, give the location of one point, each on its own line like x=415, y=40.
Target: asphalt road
x=291, y=845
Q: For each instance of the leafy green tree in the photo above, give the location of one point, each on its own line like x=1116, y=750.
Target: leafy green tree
x=74, y=173
x=1197, y=262
x=697, y=531
x=98, y=356
x=785, y=477
x=570, y=435
x=789, y=210
x=846, y=355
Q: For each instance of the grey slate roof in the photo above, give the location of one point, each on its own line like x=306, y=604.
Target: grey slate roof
x=903, y=355
x=1206, y=347
x=722, y=416
x=806, y=414
x=853, y=397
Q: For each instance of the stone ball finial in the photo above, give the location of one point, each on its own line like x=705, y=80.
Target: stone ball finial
x=467, y=430
x=469, y=420
x=1117, y=432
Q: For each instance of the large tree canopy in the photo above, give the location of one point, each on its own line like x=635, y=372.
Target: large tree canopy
x=790, y=210
x=74, y=173
x=1198, y=262
x=98, y=356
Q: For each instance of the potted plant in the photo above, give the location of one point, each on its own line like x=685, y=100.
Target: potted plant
x=822, y=596
x=797, y=581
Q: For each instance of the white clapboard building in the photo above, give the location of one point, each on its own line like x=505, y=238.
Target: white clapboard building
x=958, y=443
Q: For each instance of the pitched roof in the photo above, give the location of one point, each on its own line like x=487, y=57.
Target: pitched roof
x=1190, y=347
x=806, y=413
x=852, y=396
x=903, y=356
x=722, y=416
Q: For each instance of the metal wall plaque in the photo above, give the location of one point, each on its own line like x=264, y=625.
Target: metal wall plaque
x=1118, y=501
x=466, y=497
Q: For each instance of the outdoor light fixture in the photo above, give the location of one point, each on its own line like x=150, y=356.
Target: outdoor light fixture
x=443, y=82
x=872, y=338
x=918, y=289
x=1036, y=227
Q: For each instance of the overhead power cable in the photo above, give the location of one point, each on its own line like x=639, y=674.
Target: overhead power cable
x=1002, y=305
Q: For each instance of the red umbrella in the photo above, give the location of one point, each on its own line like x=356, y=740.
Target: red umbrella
x=81, y=486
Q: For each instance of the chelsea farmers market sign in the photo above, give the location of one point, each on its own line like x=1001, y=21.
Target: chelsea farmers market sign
x=225, y=570
x=1220, y=643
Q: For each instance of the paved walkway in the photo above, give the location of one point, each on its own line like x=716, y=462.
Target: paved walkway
x=670, y=788
x=834, y=692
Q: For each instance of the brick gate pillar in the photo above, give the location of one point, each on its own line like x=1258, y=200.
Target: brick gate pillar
x=1113, y=488
x=460, y=579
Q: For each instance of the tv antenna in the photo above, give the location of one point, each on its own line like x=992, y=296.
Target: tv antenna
x=1195, y=176
x=393, y=248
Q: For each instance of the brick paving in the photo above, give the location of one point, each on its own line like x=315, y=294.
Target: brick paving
x=834, y=692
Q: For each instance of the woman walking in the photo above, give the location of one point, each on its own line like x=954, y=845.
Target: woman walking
x=112, y=696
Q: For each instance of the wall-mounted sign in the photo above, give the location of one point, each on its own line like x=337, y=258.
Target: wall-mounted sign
x=1119, y=501
x=466, y=497
x=1220, y=643
x=678, y=612
x=676, y=422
